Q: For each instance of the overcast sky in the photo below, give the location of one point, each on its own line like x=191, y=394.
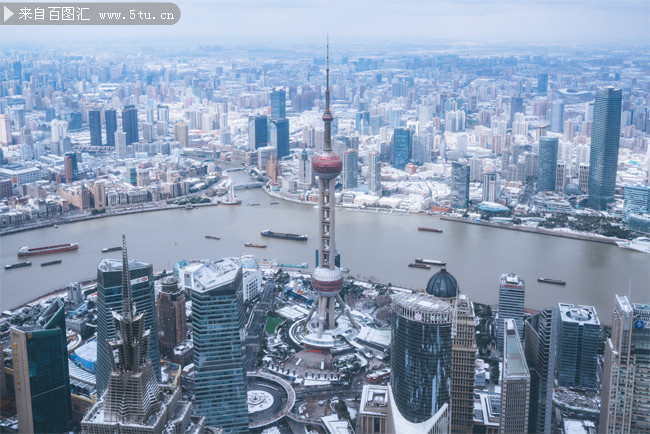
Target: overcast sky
x=228, y=22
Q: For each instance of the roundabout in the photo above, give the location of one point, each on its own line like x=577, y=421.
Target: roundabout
x=269, y=399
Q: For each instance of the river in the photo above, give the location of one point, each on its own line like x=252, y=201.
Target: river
x=374, y=246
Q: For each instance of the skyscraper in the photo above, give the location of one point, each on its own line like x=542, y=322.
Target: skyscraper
x=516, y=106
x=400, y=149
x=444, y=286
x=67, y=169
x=489, y=187
x=420, y=357
x=374, y=171
x=557, y=117
x=540, y=335
x=327, y=278
x=111, y=126
x=542, y=83
x=515, y=386
x=258, y=132
x=603, y=160
x=577, y=346
x=304, y=171
x=350, y=168
x=109, y=299
x=40, y=356
x=95, y=126
x=459, y=185
x=280, y=136
x=278, y=104
x=134, y=401
x=218, y=334
x=625, y=394
x=512, y=291
x=636, y=200
x=120, y=144
x=5, y=130
x=547, y=163
x=181, y=134
x=172, y=322
x=130, y=124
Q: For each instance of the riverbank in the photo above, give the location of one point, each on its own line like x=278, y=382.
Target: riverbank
x=117, y=212
x=542, y=231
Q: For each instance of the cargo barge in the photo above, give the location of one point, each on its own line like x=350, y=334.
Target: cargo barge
x=283, y=236
x=26, y=251
x=111, y=249
x=212, y=237
x=423, y=266
x=429, y=261
x=261, y=246
x=553, y=281
x=422, y=228
x=45, y=264
x=18, y=265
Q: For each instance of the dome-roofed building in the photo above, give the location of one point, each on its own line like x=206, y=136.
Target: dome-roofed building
x=443, y=285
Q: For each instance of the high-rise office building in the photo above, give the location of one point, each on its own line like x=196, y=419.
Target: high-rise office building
x=5, y=130
x=512, y=291
x=279, y=130
x=39, y=350
x=542, y=83
x=489, y=187
x=134, y=401
x=350, y=168
x=67, y=169
x=95, y=126
x=557, y=117
x=516, y=106
x=181, y=133
x=636, y=200
x=109, y=299
x=400, y=149
x=172, y=322
x=374, y=184
x=540, y=336
x=218, y=334
x=603, y=159
x=130, y=124
x=304, y=171
x=547, y=163
x=577, y=346
x=515, y=384
x=120, y=144
x=110, y=116
x=625, y=393
x=420, y=358
x=258, y=132
x=278, y=104
x=459, y=185
x=444, y=286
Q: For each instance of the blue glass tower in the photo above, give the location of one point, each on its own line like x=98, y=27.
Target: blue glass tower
x=95, y=126
x=636, y=200
x=109, y=298
x=400, y=150
x=459, y=185
x=547, y=163
x=41, y=380
x=130, y=124
x=420, y=355
x=605, y=135
x=557, y=117
x=218, y=322
x=111, y=126
x=278, y=104
x=258, y=132
x=280, y=136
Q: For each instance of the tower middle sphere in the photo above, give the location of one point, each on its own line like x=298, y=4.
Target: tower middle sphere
x=327, y=282
x=327, y=165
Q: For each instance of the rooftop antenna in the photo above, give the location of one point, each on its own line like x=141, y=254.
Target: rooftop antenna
x=127, y=302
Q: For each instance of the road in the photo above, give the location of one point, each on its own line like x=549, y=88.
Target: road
x=256, y=326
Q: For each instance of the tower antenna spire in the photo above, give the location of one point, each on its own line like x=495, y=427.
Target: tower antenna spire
x=327, y=71
x=127, y=302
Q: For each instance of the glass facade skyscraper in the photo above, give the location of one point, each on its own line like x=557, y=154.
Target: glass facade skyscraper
x=218, y=335
x=130, y=124
x=350, y=168
x=636, y=200
x=557, y=117
x=109, y=298
x=375, y=172
x=95, y=126
x=278, y=104
x=400, y=150
x=41, y=382
x=605, y=136
x=547, y=163
x=459, y=185
x=540, y=335
x=258, y=132
x=420, y=355
x=111, y=126
x=280, y=136
x=577, y=346
x=512, y=291
x=515, y=383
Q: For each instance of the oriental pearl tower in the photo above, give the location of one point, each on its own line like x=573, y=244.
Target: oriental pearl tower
x=327, y=279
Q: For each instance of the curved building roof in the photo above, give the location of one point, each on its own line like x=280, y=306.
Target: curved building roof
x=443, y=285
